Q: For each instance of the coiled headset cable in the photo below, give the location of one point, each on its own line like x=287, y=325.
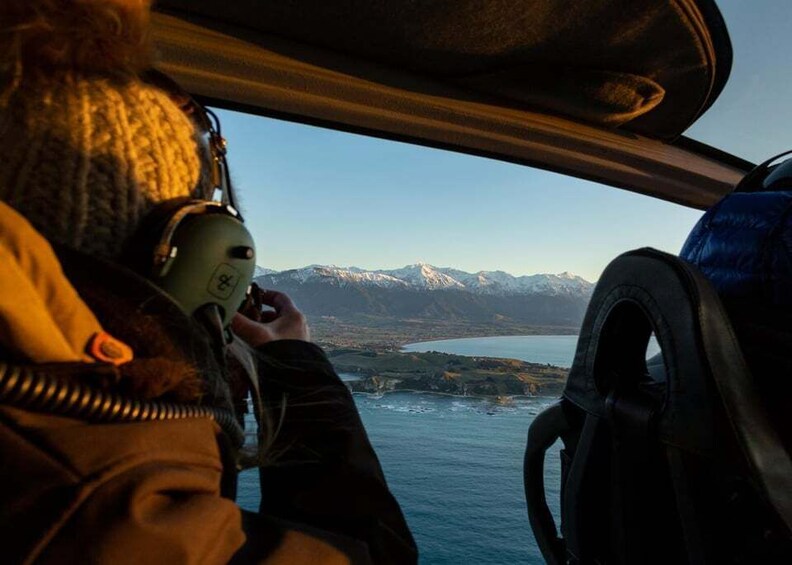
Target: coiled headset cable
x=38, y=390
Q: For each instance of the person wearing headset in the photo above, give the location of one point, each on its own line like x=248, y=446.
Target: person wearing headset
x=119, y=338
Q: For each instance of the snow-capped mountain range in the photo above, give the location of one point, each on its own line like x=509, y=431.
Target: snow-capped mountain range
x=425, y=277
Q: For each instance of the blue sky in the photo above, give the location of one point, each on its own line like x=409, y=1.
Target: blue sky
x=312, y=195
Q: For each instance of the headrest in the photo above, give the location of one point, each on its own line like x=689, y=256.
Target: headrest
x=646, y=291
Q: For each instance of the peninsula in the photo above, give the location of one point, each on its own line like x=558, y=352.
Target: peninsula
x=363, y=318
x=379, y=372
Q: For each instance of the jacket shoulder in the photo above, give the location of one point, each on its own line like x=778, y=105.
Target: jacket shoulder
x=129, y=492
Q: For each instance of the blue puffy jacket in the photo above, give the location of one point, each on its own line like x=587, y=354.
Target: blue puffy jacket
x=743, y=245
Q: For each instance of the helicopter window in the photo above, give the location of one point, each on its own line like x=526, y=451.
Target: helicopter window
x=447, y=290
x=746, y=118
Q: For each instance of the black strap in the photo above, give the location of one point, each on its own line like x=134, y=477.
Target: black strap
x=546, y=428
x=760, y=443
x=630, y=418
x=583, y=515
x=683, y=497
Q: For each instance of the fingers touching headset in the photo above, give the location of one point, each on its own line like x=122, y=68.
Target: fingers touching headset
x=284, y=321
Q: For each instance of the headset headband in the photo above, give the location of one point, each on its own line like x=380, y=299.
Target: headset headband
x=761, y=171
x=198, y=251
x=164, y=248
x=209, y=123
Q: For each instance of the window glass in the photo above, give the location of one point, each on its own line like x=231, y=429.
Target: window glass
x=392, y=250
x=750, y=118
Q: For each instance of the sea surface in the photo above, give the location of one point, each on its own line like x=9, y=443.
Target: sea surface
x=556, y=350
x=455, y=464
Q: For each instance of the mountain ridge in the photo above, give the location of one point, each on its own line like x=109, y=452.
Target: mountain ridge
x=349, y=305
x=425, y=277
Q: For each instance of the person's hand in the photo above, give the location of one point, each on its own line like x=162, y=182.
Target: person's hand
x=285, y=321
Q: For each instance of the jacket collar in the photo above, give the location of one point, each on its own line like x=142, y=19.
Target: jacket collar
x=175, y=358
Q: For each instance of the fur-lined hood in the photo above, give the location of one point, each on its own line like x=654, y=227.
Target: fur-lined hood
x=52, y=307
x=175, y=358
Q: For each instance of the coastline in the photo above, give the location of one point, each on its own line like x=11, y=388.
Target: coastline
x=468, y=368
x=477, y=338
x=557, y=350
x=451, y=395
x=441, y=373
x=395, y=333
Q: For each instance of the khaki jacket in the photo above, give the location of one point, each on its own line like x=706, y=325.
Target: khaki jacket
x=156, y=492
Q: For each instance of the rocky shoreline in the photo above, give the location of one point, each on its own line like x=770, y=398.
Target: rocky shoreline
x=382, y=372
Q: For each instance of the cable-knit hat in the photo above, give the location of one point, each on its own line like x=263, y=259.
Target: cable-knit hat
x=86, y=147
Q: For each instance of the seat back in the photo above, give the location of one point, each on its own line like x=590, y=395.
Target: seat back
x=678, y=465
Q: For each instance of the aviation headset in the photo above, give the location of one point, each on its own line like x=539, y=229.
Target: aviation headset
x=197, y=250
x=768, y=176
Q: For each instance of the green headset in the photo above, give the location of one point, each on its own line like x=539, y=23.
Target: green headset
x=198, y=251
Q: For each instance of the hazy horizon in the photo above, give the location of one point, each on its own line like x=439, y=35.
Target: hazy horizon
x=415, y=263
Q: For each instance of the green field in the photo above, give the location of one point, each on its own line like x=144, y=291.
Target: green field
x=371, y=332
x=387, y=371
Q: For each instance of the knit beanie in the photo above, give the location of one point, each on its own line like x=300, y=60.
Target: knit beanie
x=86, y=147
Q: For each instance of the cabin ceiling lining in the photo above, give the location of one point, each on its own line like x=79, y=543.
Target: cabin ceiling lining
x=270, y=75
x=651, y=67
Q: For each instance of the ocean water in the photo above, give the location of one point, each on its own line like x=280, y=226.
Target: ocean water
x=556, y=350
x=455, y=464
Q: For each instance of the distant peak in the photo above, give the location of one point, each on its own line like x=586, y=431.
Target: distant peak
x=422, y=275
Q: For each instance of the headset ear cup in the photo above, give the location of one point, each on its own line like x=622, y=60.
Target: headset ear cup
x=197, y=251
x=214, y=263
x=138, y=252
